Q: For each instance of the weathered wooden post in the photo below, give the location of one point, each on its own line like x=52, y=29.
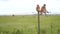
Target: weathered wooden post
x=38, y=23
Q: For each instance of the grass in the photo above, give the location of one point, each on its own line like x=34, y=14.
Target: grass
x=28, y=24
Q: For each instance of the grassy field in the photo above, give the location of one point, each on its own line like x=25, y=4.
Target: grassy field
x=28, y=24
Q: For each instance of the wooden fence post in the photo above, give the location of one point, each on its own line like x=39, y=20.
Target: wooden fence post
x=38, y=23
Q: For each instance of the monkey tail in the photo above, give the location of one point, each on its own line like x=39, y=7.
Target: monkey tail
x=47, y=11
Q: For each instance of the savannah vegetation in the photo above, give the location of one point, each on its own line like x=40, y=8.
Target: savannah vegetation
x=28, y=24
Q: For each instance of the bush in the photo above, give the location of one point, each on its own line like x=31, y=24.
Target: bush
x=43, y=31
x=58, y=31
x=18, y=31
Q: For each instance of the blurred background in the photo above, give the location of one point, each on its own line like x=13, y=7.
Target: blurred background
x=27, y=7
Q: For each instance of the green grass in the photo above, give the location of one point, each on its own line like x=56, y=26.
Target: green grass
x=28, y=24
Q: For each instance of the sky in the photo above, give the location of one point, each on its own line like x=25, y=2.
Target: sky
x=27, y=7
